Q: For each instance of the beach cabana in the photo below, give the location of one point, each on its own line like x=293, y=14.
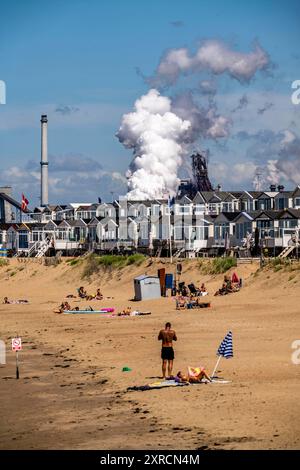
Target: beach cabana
x=146, y=287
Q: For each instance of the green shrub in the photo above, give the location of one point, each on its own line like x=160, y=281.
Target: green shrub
x=137, y=259
x=218, y=265
x=3, y=262
x=93, y=263
x=74, y=261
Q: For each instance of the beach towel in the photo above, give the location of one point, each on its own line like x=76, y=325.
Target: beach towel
x=158, y=385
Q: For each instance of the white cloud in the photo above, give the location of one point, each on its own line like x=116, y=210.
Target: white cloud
x=213, y=56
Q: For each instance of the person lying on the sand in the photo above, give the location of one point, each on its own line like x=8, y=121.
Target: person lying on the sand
x=20, y=301
x=193, y=378
x=126, y=311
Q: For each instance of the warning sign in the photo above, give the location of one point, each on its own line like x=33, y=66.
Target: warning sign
x=16, y=344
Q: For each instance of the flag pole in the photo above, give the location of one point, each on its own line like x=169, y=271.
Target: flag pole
x=216, y=366
x=170, y=235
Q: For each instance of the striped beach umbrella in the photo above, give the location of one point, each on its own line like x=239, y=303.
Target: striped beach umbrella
x=225, y=348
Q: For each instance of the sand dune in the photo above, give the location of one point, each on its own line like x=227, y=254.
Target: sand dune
x=72, y=392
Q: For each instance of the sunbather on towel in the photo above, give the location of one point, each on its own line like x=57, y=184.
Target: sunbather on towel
x=194, y=375
x=21, y=301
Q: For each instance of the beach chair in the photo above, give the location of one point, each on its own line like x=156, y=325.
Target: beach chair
x=193, y=290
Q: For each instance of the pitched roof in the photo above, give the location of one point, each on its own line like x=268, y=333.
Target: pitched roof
x=230, y=216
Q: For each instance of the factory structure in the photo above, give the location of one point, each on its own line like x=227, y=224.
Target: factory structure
x=199, y=221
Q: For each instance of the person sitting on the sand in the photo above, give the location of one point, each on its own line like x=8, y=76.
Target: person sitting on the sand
x=67, y=306
x=184, y=291
x=82, y=293
x=223, y=290
x=99, y=296
x=60, y=309
x=226, y=288
x=180, y=302
x=6, y=301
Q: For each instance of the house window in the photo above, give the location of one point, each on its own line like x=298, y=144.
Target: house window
x=266, y=228
x=202, y=233
x=35, y=236
x=220, y=231
x=155, y=209
x=199, y=208
x=297, y=201
x=184, y=209
x=242, y=229
x=23, y=239
x=227, y=207
x=178, y=232
x=280, y=203
x=288, y=223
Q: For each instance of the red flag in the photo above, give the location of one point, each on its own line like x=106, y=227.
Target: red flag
x=24, y=203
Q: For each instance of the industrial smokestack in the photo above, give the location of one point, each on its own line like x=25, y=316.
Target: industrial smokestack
x=44, y=160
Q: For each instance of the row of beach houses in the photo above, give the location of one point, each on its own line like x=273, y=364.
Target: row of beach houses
x=209, y=224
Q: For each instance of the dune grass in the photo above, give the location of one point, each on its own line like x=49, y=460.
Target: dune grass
x=94, y=263
x=217, y=265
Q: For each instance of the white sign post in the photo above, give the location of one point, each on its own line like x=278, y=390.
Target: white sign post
x=16, y=345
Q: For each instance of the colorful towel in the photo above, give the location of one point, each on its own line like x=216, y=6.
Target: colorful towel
x=157, y=385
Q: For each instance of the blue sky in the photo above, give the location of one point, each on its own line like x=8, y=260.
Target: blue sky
x=80, y=57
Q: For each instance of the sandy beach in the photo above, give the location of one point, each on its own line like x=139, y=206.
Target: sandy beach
x=72, y=393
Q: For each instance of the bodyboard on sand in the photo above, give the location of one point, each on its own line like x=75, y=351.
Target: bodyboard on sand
x=104, y=310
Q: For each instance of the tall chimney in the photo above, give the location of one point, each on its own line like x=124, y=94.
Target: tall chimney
x=44, y=160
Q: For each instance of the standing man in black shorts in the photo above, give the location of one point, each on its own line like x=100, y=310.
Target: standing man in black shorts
x=167, y=352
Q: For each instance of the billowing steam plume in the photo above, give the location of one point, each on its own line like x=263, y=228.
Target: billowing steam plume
x=160, y=129
x=156, y=136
